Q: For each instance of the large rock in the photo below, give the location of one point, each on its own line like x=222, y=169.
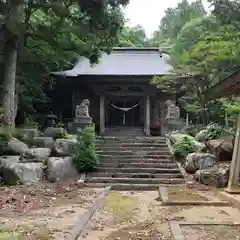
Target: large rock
x=222, y=148
x=9, y=159
x=15, y=172
x=217, y=176
x=30, y=131
x=177, y=137
x=196, y=161
x=200, y=137
x=28, y=134
x=43, y=142
x=17, y=147
x=36, y=155
x=64, y=147
x=60, y=168
x=55, y=132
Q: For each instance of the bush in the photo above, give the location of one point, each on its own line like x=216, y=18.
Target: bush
x=68, y=136
x=85, y=158
x=60, y=133
x=183, y=148
x=192, y=130
x=60, y=125
x=30, y=122
x=213, y=131
x=17, y=134
x=5, y=137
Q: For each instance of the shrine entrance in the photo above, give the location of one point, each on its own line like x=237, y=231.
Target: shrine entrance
x=124, y=111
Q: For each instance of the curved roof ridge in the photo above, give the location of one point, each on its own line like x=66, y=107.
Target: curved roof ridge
x=124, y=61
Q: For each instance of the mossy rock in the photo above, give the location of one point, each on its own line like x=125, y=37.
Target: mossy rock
x=55, y=132
x=5, y=137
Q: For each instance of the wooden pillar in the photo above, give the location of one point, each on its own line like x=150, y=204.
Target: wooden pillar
x=162, y=118
x=147, y=116
x=102, y=114
x=235, y=164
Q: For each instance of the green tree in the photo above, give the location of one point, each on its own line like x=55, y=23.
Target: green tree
x=175, y=18
x=40, y=32
x=208, y=51
x=133, y=37
x=227, y=11
x=173, y=21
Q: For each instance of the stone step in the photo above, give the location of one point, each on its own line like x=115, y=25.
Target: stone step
x=135, y=180
x=130, y=145
x=135, y=175
x=136, y=137
x=135, y=160
x=130, y=140
x=138, y=165
x=124, y=187
x=129, y=152
x=113, y=157
x=122, y=133
x=137, y=170
x=132, y=149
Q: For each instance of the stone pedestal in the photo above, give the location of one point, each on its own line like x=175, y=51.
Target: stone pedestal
x=171, y=125
x=80, y=123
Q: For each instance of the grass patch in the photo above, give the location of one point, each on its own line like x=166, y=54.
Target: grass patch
x=175, y=193
x=4, y=235
x=24, y=234
x=122, y=206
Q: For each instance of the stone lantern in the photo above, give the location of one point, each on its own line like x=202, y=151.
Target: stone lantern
x=50, y=120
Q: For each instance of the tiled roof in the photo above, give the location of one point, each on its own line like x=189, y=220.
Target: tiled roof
x=125, y=62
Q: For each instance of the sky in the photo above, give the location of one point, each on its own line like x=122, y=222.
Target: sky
x=148, y=13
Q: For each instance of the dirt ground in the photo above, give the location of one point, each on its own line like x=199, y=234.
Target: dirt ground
x=50, y=211
x=43, y=212
x=211, y=232
x=140, y=216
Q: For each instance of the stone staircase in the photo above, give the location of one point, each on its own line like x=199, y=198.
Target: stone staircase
x=124, y=131
x=134, y=163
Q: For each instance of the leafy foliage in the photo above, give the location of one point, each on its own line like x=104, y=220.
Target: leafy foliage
x=227, y=11
x=133, y=37
x=176, y=18
x=85, y=158
x=183, y=148
x=204, y=49
x=52, y=35
x=213, y=131
x=173, y=21
x=5, y=137
x=192, y=130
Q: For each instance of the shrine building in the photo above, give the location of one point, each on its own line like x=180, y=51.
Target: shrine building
x=118, y=89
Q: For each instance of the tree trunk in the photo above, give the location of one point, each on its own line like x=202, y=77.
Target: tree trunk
x=8, y=98
x=1, y=61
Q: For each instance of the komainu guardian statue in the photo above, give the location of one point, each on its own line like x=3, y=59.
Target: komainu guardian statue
x=82, y=110
x=173, y=111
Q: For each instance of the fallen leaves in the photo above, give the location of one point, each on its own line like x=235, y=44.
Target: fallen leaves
x=21, y=200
